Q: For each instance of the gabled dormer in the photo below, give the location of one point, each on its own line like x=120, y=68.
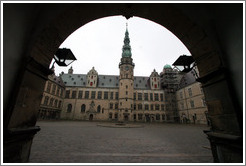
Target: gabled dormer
x=92, y=77
x=154, y=80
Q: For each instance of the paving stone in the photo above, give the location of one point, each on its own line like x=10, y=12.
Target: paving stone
x=86, y=142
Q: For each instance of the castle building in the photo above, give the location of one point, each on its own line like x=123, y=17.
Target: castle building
x=116, y=98
x=190, y=98
x=170, y=96
x=52, y=100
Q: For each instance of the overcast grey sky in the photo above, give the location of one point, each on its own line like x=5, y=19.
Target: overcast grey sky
x=99, y=44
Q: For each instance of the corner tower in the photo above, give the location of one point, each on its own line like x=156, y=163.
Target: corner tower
x=126, y=67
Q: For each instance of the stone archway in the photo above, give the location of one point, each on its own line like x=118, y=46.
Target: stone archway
x=225, y=118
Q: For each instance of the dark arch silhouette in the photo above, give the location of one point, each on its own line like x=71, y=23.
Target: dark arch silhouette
x=211, y=33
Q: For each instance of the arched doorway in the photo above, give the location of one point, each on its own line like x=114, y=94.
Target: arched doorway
x=224, y=110
x=91, y=117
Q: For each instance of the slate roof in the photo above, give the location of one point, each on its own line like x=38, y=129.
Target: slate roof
x=56, y=79
x=187, y=79
x=105, y=81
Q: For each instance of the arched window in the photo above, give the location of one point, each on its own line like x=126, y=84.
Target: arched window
x=98, y=109
x=56, y=102
x=59, y=105
x=69, y=107
x=83, y=107
x=46, y=100
x=51, y=102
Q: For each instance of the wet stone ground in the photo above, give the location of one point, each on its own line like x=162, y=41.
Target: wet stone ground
x=99, y=142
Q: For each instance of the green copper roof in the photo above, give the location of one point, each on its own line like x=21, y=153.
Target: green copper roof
x=167, y=66
x=126, y=50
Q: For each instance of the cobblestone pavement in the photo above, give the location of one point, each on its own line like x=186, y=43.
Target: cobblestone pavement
x=88, y=142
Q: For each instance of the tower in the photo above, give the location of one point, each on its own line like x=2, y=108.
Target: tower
x=126, y=79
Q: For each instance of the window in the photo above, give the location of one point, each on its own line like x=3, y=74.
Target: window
x=134, y=106
x=139, y=106
x=53, y=89
x=80, y=94
x=99, y=95
x=111, y=106
x=151, y=96
x=162, y=97
x=140, y=116
x=48, y=87
x=51, y=102
x=163, y=116
x=190, y=92
x=56, y=102
x=126, y=86
x=152, y=107
x=192, y=104
x=116, y=106
x=93, y=95
x=146, y=106
x=139, y=96
x=61, y=92
x=86, y=94
x=83, y=107
x=116, y=95
x=156, y=97
x=112, y=95
x=110, y=115
x=162, y=107
x=98, y=109
x=46, y=100
x=69, y=107
x=105, y=95
x=157, y=117
x=59, y=105
x=126, y=92
x=157, y=107
x=73, y=94
x=116, y=116
x=67, y=94
x=58, y=91
x=146, y=97
x=134, y=96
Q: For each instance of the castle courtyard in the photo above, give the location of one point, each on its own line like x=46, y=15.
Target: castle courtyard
x=108, y=142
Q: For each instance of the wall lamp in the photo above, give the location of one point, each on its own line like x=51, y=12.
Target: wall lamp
x=64, y=57
x=184, y=63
